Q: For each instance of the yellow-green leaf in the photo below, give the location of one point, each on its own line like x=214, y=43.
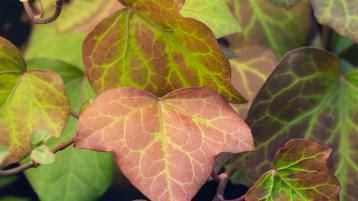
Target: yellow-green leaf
x=29, y=100
x=214, y=13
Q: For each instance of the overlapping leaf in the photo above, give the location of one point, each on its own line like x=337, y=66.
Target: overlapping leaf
x=85, y=175
x=341, y=15
x=29, y=100
x=151, y=46
x=165, y=146
x=300, y=173
x=215, y=14
x=272, y=26
x=308, y=97
x=250, y=69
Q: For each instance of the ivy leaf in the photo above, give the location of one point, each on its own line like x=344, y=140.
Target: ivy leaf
x=165, y=146
x=284, y=3
x=215, y=14
x=138, y=47
x=85, y=175
x=24, y=95
x=341, y=15
x=39, y=136
x=308, y=97
x=272, y=26
x=250, y=69
x=300, y=173
x=42, y=155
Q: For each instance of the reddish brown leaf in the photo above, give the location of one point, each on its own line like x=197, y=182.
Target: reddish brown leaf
x=165, y=146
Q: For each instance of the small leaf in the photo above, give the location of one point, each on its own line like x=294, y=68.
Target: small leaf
x=214, y=13
x=250, y=69
x=307, y=96
x=165, y=146
x=40, y=136
x=300, y=173
x=29, y=100
x=159, y=54
x=265, y=24
x=4, y=152
x=284, y=3
x=42, y=155
x=341, y=15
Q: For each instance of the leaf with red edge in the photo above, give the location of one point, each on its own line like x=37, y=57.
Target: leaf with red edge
x=165, y=146
x=150, y=46
x=300, y=173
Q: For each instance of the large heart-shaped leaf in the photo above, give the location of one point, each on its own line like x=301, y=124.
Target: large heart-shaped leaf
x=151, y=46
x=29, y=100
x=272, y=26
x=308, y=97
x=341, y=15
x=250, y=69
x=215, y=14
x=300, y=173
x=84, y=171
x=165, y=146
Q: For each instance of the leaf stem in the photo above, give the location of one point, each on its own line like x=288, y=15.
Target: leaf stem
x=75, y=114
x=33, y=164
x=223, y=179
x=38, y=19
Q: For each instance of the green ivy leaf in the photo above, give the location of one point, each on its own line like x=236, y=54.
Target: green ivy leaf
x=215, y=14
x=13, y=198
x=284, y=3
x=308, y=97
x=272, y=26
x=85, y=175
x=138, y=47
x=42, y=155
x=29, y=100
x=341, y=15
x=300, y=173
x=40, y=136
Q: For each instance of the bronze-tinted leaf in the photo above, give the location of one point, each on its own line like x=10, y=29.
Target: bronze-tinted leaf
x=300, y=172
x=308, y=97
x=165, y=146
x=151, y=46
x=272, y=26
x=250, y=69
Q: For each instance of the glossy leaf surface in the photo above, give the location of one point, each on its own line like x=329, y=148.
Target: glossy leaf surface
x=76, y=175
x=165, y=146
x=215, y=14
x=272, y=26
x=308, y=97
x=25, y=95
x=341, y=15
x=250, y=69
x=300, y=173
x=139, y=47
